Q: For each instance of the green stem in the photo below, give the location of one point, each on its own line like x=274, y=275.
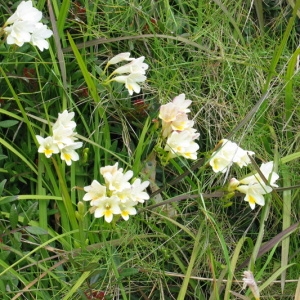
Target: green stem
x=66, y=199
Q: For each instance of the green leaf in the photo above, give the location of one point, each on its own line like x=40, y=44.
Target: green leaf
x=2, y=156
x=128, y=272
x=35, y=230
x=2, y=183
x=8, y=123
x=13, y=216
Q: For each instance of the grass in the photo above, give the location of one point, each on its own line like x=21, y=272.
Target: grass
x=224, y=56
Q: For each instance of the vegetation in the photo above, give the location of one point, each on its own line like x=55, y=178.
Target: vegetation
x=238, y=63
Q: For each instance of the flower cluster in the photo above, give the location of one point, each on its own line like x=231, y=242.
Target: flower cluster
x=178, y=129
x=24, y=26
x=131, y=73
x=118, y=196
x=229, y=153
x=62, y=139
x=254, y=187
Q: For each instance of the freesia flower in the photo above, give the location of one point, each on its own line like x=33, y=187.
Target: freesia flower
x=65, y=120
x=267, y=170
x=137, y=191
x=118, y=196
x=120, y=57
x=169, y=112
x=107, y=208
x=137, y=65
x=19, y=33
x=47, y=146
x=182, y=143
x=177, y=129
x=68, y=153
x=181, y=103
x=25, y=27
x=62, y=140
x=131, y=81
x=94, y=192
x=229, y=153
x=254, y=193
x=127, y=209
x=118, y=181
x=39, y=36
x=25, y=12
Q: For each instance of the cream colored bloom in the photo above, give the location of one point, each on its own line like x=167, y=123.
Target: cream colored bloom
x=182, y=103
x=118, y=181
x=118, y=196
x=68, y=153
x=227, y=154
x=131, y=81
x=64, y=119
x=25, y=12
x=25, y=27
x=254, y=193
x=19, y=33
x=127, y=209
x=120, y=57
x=39, y=36
x=137, y=191
x=107, y=207
x=181, y=144
x=267, y=171
x=168, y=112
x=47, y=146
x=94, y=192
x=137, y=65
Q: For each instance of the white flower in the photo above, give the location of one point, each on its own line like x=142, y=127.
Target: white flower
x=94, y=192
x=69, y=154
x=120, y=57
x=254, y=193
x=47, y=146
x=25, y=12
x=137, y=65
x=227, y=154
x=19, y=33
x=182, y=103
x=127, y=209
x=106, y=207
x=168, y=112
x=25, y=27
x=181, y=143
x=267, y=170
x=130, y=81
x=39, y=36
x=118, y=181
x=137, y=191
x=65, y=119
x=181, y=122
x=118, y=197
x=63, y=136
x=110, y=169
